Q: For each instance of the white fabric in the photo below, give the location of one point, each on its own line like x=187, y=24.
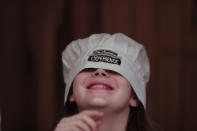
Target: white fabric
x=115, y=52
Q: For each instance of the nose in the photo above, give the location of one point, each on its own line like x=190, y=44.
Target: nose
x=101, y=73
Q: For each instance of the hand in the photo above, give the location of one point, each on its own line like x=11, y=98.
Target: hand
x=88, y=120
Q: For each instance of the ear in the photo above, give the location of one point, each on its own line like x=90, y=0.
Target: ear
x=71, y=99
x=133, y=102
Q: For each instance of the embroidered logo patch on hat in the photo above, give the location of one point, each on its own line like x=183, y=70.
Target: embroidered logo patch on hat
x=106, y=56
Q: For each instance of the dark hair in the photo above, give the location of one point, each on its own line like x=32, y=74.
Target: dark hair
x=138, y=120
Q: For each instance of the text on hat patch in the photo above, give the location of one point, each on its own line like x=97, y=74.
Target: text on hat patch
x=106, y=56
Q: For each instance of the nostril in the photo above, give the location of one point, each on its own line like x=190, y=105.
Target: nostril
x=96, y=74
x=100, y=72
x=103, y=74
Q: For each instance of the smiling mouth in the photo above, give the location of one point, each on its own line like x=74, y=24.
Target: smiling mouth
x=100, y=86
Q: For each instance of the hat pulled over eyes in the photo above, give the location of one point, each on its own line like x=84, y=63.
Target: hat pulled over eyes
x=115, y=52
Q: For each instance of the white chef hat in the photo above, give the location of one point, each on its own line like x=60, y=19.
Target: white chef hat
x=115, y=52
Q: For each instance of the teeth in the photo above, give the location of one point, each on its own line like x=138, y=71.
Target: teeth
x=101, y=87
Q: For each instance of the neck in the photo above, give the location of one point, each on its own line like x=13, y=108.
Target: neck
x=115, y=121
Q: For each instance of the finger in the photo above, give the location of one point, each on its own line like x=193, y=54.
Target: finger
x=68, y=129
x=89, y=121
x=70, y=124
x=82, y=126
x=93, y=118
x=98, y=123
x=93, y=114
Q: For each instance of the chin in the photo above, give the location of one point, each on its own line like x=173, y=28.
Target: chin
x=98, y=102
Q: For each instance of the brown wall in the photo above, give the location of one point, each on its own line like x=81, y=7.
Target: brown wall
x=34, y=32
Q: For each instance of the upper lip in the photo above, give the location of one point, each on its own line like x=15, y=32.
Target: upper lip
x=104, y=84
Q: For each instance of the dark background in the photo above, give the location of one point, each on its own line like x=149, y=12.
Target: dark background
x=34, y=32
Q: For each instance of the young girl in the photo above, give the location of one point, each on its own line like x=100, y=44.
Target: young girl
x=105, y=78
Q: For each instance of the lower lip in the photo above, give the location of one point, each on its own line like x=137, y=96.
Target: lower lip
x=105, y=89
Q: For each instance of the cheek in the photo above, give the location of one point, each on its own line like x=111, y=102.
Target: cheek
x=78, y=84
x=125, y=88
x=123, y=83
x=80, y=79
x=77, y=81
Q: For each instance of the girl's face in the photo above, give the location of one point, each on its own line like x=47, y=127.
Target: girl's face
x=100, y=88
